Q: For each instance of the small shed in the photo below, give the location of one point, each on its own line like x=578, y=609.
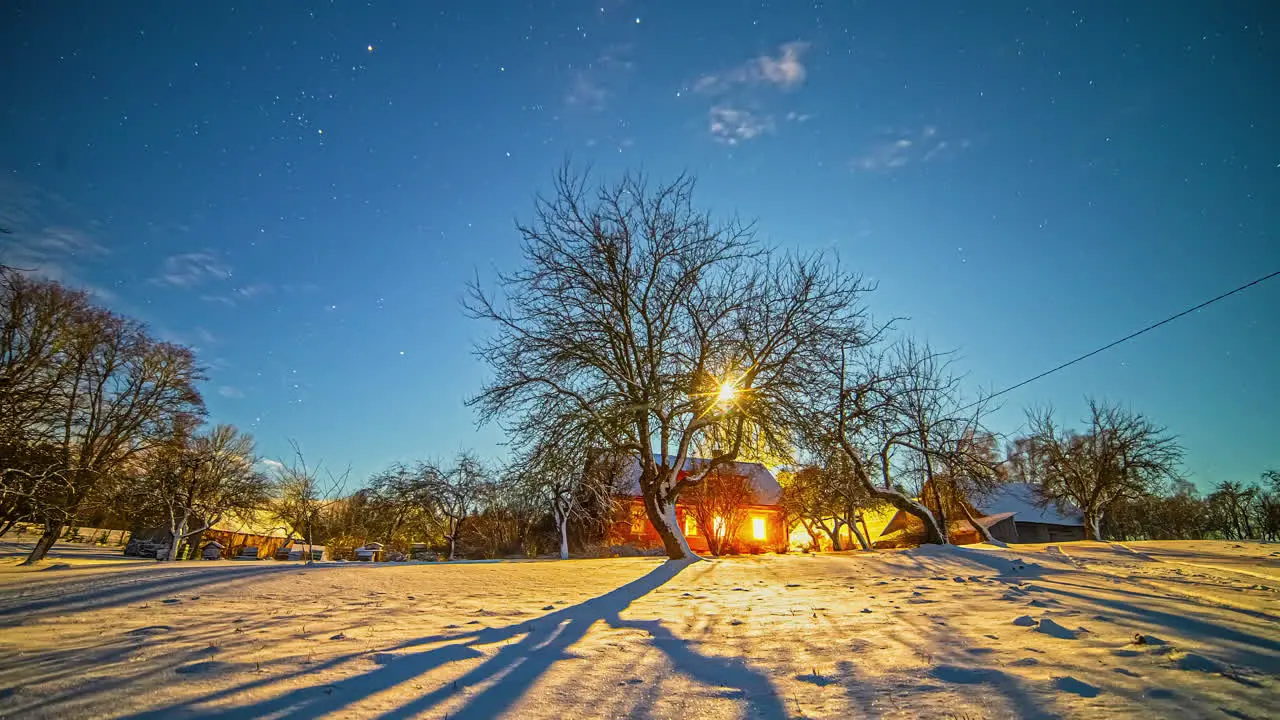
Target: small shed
x=372, y=552
x=212, y=550
x=298, y=551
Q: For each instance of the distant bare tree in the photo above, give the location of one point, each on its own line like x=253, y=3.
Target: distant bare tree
x=719, y=506
x=1122, y=455
x=568, y=471
x=828, y=496
x=884, y=410
x=455, y=492
x=810, y=501
x=301, y=499
x=638, y=317
x=1269, y=506
x=198, y=480
x=1237, y=504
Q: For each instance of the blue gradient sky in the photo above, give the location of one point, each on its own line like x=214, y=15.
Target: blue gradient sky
x=300, y=191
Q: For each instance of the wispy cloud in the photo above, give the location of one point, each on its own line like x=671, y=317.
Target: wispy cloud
x=741, y=106
x=592, y=86
x=271, y=465
x=190, y=270
x=900, y=148
x=731, y=125
x=230, y=391
x=36, y=237
x=785, y=71
x=241, y=294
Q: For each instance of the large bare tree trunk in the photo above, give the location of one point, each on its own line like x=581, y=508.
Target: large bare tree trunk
x=45, y=543
x=1093, y=526
x=933, y=535
x=866, y=531
x=562, y=523
x=834, y=534
x=662, y=513
x=857, y=533
x=987, y=537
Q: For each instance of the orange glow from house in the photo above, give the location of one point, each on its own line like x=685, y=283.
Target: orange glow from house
x=758, y=528
x=690, y=525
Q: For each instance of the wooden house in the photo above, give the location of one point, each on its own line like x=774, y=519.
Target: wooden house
x=763, y=526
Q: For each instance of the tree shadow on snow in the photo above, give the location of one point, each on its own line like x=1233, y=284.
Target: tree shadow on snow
x=510, y=672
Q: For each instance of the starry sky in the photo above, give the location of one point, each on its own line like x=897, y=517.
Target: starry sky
x=301, y=190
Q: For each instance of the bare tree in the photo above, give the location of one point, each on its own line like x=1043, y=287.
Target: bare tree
x=811, y=501
x=400, y=491
x=640, y=318
x=829, y=496
x=1122, y=455
x=197, y=480
x=302, y=498
x=1238, y=505
x=455, y=492
x=719, y=506
x=862, y=413
x=36, y=318
x=118, y=392
x=568, y=471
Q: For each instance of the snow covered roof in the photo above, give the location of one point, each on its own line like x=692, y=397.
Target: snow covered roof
x=766, y=486
x=1020, y=499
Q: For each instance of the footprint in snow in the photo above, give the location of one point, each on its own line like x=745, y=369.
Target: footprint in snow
x=1024, y=621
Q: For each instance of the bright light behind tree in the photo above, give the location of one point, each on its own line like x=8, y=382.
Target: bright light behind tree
x=728, y=391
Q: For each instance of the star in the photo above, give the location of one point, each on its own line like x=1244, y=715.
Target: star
x=369, y=48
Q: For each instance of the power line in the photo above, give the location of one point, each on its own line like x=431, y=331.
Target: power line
x=1126, y=338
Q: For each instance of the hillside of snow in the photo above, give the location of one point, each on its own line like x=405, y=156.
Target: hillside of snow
x=1081, y=630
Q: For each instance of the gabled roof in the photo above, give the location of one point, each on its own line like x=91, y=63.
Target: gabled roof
x=766, y=486
x=1020, y=499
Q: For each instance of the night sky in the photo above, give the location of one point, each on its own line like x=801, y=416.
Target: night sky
x=300, y=191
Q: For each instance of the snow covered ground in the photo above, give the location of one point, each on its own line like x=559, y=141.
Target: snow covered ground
x=1079, y=630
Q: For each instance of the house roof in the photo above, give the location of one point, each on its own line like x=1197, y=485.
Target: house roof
x=766, y=486
x=257, y=522
x=1020, y=499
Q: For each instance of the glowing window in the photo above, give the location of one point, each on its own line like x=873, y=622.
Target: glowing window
x=637, y=520
x=757, y=528
x=690, y=525
x=718, y=523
